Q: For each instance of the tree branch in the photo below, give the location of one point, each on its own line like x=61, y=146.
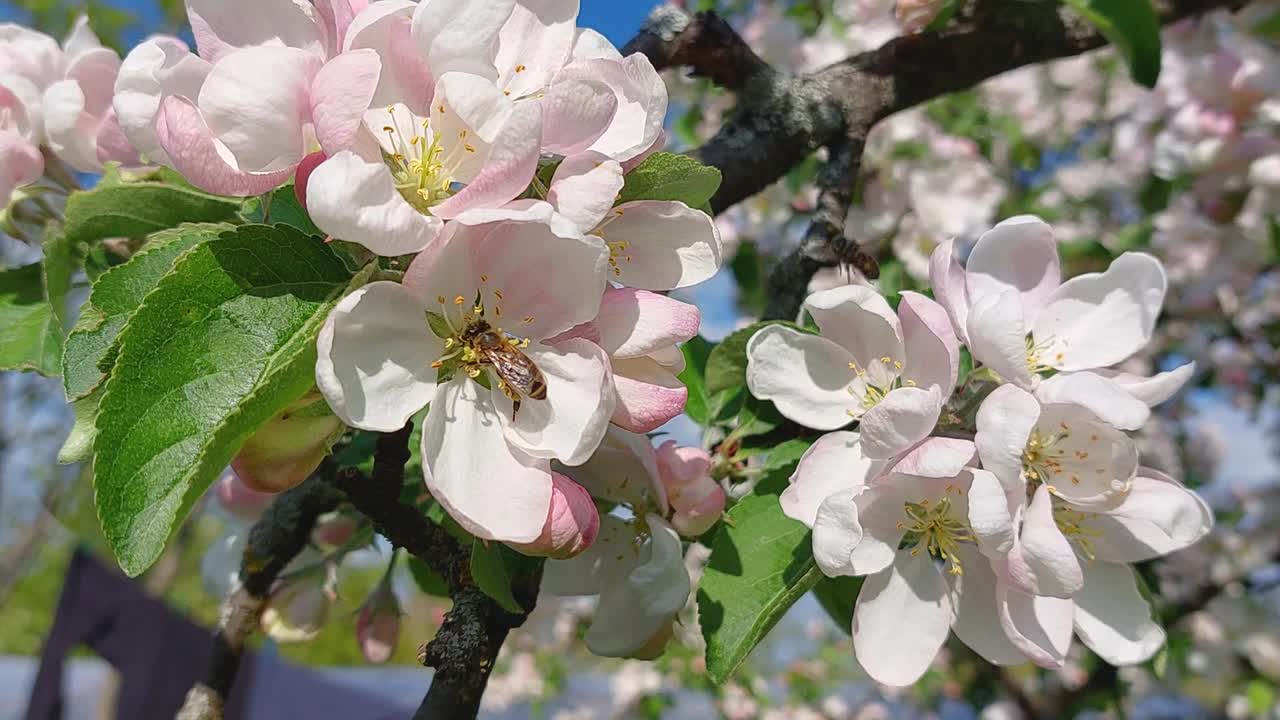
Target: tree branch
x=467, y=644
x=275, y=540
x=780, y=119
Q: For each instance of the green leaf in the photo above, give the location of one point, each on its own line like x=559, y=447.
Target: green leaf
x=223, y=344
x=1269, y=27
x=1261, y=695
x=280, y=207
x=727, y=364
x=667, y=176
x=440, y=327
x=30, y=334
x=427, y=580
x=489, y=570
x=120, y=209
x=116, y=294
x=78, y=446
x=757, y=417
x=837, y=596
x=761, y=564
x=695, y=353
x=1133, y=27
x=59, y=265
x=780, y=465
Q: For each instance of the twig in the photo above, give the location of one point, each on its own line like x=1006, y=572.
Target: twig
x=275, y=540
x=466, y=646
x=780, y=119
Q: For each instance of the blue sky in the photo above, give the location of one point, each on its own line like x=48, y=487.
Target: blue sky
x=616, y=19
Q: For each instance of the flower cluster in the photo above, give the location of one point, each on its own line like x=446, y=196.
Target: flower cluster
x=482, y=149
x=1007, y=507
x=57, y=98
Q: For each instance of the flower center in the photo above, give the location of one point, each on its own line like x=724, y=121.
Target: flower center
x=935, y=529
x=1042, y=458
x=472, y=344
x=617, y=248
x=1036, y=350
x=422, y=161
x=1072, y=524
x=871, y=385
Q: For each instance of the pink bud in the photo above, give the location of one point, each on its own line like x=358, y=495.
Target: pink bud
x=298, y=607
x=303, y=175
x=696, y=499
x=572, y=522
x=378, y=624
x=285, y=450
x=239, y=499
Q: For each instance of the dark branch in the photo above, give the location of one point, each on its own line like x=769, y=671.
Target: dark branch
x=780, y=119
x=467, y=644
x=275, y=540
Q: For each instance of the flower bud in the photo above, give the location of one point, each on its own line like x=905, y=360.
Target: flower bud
x=572, y=522
x=303, y=175
x=696, y=500
x=239, y=499
x=289, y=447
x=378, y=624
x=298, y=607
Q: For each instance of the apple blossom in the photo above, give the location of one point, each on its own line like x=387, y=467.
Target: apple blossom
x=637, y=568
x=230, y=128
x=640, y=330
x=1009, y=305
x=387, y=350
x=653, y=245
x=902, y=531
x=891, y=372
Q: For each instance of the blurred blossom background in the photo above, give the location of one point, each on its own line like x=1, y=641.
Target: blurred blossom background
x=1189, y=171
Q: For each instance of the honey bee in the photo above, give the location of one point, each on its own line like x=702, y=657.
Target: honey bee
x=520, y=377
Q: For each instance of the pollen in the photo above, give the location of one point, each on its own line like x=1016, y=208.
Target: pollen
x=520, y=68
x=459, y=300
x=936, y=529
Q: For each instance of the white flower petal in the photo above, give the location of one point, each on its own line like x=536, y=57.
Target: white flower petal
x=356, y=200
x=460, y=37
x=584, y=188
x=374, y=358
x=998, y=337
x=835, y=462
x=493, y=490
x=651, y=594
x=935, y=457
x=948, y=281
x=894, y=652
x=1151, y=390
x=1005, y=422
x=836, y=533
x=570, y=422
x=1113, y=618
x=1019, y=254
x=661, y=245
x=1039, y=626
x=1042, y=561
x=933, y=353
x=860, y=320
x=1099, y=319
x=806, y=376
x=977, y=624
x=989, y=513
x=903, y=418
x=1104, y=398
x=1157, y=516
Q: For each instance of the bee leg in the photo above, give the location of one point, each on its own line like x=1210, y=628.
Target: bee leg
x=515, y=408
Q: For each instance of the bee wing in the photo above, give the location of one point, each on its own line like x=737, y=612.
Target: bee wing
x=516, y=370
